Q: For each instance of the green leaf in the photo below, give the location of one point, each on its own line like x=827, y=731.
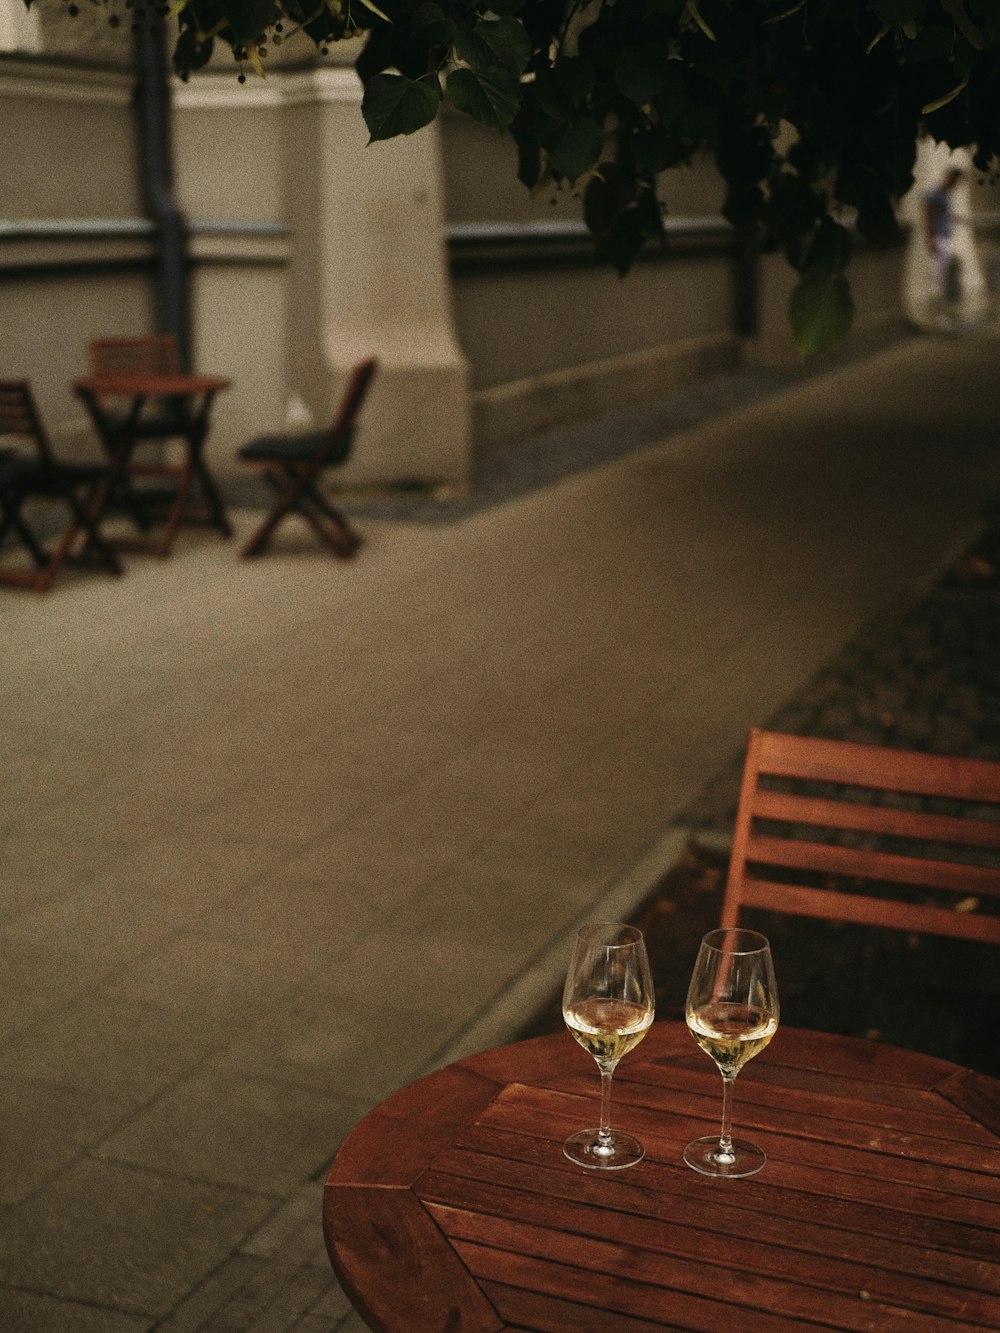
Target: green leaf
x=191, y=53
x=966, y=27
x=248, y=18
x=608, y=192
x=369, y=4
x=640, y=72
x=575, y=76
x=507, y=6
x=670, y=102
x=831, y=248
x=894, y=13
x=793, y=207
x=490, y=96
x=933, y=42
x=432, y=22
x=393, y=105
x=820, y=310
x=529, y=164
x=495, y=43
x=578, y=149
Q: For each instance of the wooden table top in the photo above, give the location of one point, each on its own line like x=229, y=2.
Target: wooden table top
x=451, y=1206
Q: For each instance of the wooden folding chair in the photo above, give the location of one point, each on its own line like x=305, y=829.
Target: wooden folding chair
x=42, y=476
x=154, y=353
x=293, y=466
x=869, y=835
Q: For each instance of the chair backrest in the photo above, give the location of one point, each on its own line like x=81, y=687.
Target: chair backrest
x=19, y=416
x=154, y=353
x=837, y=830
x=353, y=397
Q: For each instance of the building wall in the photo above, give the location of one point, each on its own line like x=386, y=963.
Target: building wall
x=309, y=249
x=75, y=253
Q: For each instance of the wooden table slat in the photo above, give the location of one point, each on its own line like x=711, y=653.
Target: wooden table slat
x=871, y=1060
x=930, y=1113
x=974, y=1174
x=878, y=1237
x=500, y=1217
x=390, y=1226
x=793, y=1168
x=804, y=1200
x=977, y=1095
x=634, y=1283
x=554, y=1314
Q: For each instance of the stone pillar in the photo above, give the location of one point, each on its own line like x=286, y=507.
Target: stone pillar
x=369, y=265
x=366, y=271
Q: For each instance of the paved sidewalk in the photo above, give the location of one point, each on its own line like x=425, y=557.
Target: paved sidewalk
x=279, y=837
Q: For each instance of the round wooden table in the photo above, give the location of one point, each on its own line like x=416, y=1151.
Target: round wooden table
x=451, y=1206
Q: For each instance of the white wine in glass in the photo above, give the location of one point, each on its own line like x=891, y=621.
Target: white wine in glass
x=732, y=1012
x=608, y=1007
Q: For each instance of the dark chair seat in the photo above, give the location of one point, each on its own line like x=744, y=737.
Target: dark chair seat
x=46, y=477
x=297, y=448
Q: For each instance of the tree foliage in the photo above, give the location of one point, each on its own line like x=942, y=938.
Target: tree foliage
x=811, y=109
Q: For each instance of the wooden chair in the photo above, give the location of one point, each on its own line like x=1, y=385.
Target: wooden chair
x=154, y=353
x=869, y=835
x=41, y=475
x=293, y=466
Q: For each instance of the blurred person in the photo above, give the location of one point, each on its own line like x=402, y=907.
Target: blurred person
x=939, y=233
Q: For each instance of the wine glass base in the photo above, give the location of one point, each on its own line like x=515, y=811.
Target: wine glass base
x=587, y=1149
x=745, y=1159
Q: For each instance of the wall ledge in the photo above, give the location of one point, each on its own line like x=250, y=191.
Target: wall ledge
x=522, y=408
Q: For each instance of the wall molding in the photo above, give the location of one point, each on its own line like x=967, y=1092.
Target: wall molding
x=50, y=80
x=37, y=247
x=291, y=87
x=485, y=246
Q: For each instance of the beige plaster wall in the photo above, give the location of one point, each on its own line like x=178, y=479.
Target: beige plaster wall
x=513, y=324
x=66, y=141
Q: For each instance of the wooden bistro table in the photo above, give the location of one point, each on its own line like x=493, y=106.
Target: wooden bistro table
x=451, y=1206
x=184, y=403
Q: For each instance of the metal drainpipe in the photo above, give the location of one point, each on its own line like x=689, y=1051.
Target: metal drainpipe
x=152, y=105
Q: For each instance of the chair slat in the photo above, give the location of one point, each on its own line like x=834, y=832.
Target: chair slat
x=851, y=815
x=859, y=910
x=878, y=770
x=875, y=766
x=155, y=353
x=869, y=864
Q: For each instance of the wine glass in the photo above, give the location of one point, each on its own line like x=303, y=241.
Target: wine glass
x=732, y=1011
x=608, y=1006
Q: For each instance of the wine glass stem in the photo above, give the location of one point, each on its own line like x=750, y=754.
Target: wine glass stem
x=724, y=1152
x=604, y=1133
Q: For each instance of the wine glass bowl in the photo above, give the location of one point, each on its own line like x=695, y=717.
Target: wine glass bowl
x=608, y=1007
x=732, y=1013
